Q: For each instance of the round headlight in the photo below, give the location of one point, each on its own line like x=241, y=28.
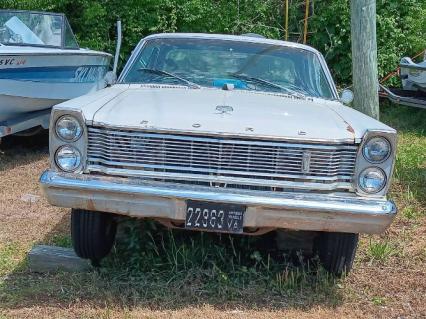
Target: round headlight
x=372, y=180
x=377, y=150
x=68, y=158
x=68, y=128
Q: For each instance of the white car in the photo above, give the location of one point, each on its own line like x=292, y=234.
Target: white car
x=234, y=134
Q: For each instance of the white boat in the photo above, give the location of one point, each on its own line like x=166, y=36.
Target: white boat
x=413, y=75
x=42, y=65
x=413, y=78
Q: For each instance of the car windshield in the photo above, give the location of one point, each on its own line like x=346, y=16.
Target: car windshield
x=245, y=65
x=35, y=29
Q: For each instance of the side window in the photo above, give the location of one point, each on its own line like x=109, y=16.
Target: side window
x=320, y=80
x=325, y=86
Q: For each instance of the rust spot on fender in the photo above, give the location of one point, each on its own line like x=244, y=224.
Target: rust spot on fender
x=350, y=129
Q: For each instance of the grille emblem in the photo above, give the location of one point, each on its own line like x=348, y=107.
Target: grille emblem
x=306, y=162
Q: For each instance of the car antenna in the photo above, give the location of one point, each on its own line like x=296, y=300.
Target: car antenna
x=111, y=76
x=117, y=48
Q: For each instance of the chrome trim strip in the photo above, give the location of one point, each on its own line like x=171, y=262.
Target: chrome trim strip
x=55, y=142
x=222, y=171
x=228, y=135
x=221, y=179
x=139, y=198
x=187, y=136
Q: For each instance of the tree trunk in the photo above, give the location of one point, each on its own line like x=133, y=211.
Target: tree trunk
x=364, y=57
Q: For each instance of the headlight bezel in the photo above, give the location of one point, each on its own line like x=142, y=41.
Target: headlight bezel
x=56, y=142
x=77, y=137
x=385, y=165
x=76, y=168
x=364, y=148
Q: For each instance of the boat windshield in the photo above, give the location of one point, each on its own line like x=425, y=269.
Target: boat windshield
x=41, y=29
x=247, y=65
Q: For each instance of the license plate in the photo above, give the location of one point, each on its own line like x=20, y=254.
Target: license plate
x=227, y=218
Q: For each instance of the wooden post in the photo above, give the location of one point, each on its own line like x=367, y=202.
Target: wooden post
x=305, y=26
x=286, y=20
x=364, y=57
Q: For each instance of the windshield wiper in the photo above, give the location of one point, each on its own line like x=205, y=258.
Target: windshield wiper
x=171, y=75
x=267, y=83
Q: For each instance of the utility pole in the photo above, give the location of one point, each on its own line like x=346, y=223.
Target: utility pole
x=364, y=57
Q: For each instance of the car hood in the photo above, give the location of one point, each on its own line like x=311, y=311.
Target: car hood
x=229, y=113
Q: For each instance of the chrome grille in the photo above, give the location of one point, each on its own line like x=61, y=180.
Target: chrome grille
x=221, y=161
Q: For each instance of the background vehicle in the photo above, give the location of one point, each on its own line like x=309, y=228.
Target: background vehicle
x=42, y=65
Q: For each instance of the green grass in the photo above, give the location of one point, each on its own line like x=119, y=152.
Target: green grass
x=411, y=213
x=381, y=250
x=222, y=267
x=11, y=256
x=159, y=267
x=378, y=301
x=409, y=177
x=61, y=240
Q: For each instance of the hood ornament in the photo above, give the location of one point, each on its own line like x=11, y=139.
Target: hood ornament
x=224, y=109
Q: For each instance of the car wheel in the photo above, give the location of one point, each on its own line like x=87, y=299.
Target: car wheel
x=336, y=251
x=92, y=233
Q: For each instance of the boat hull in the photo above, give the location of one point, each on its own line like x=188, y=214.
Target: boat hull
x=36, y=81
x=413, y=75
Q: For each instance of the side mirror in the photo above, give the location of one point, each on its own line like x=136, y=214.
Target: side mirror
x=110, y=78
x=346, y=97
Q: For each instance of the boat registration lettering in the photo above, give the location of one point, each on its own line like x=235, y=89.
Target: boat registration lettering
x=7, y=61
x=12, y=61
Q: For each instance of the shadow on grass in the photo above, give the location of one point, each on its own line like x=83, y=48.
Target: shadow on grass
x=17, y=150
x=169, y=270
x=404, y=119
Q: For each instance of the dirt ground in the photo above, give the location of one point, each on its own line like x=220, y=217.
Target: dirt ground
x=388, y=279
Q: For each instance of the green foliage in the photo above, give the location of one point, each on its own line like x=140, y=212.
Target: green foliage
x=401, y=29
x=401, y=26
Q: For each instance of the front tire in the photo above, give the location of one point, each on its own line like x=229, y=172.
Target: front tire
x=336, y=251
x=92, y=234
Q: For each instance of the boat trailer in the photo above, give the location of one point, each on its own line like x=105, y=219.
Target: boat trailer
x=25, y=122
x=411, y=94
x=403, y=97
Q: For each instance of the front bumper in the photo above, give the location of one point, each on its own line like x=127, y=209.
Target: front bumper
x=139, y=198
